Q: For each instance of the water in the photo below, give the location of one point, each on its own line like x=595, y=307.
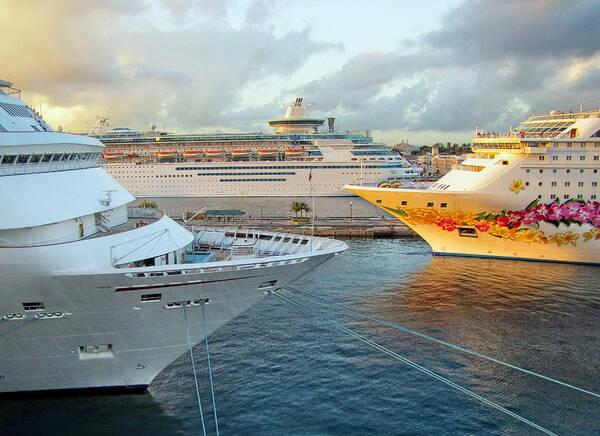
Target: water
x=280, y=371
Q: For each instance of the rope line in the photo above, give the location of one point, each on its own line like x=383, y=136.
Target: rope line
x=415, y=365
x=212, y=389
x=194, y=369
x=442, y=342
x=9, y=331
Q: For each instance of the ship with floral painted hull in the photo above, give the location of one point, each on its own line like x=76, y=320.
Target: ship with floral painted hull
x=529, y=194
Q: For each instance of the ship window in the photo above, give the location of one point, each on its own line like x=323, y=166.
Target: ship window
x=527, y=170
x=526, y=183
x=594, y=184
x=151, y=297
x=566, y=197
x=554, y=157
x=504, y=162
x=568, y=171
x=593, y=196
x=568, y=157
x=35, y=158
x=38, y=305
x=581, y=157
x=580, y=184
x=467, y=232
x=552, y=196
x=542, y=157
x=553, y=184
x=581, y=171
x=443, y=204
x=377, y=201
x=540, y=184
x=6, y=160
x=541, y=171
x=580, y=197
x=404, y=203
x=429, y=204
x=567, y=183
x=22, y=158
x=46, y=158
x=267, y=284
x=596, y=157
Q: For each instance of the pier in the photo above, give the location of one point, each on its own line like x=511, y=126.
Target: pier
x=339, y=227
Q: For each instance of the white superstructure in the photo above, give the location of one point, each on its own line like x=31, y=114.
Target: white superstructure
x=529, y=194
x=94, y=292
x=297, y=160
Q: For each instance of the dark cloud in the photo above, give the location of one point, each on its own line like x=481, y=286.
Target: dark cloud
x=488, y=64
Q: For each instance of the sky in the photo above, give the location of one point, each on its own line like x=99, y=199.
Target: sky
x=425, y=72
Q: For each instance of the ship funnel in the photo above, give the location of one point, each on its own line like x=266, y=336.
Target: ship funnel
x=330, y=122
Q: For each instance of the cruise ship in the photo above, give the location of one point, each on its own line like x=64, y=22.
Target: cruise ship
x=529, y=194
x=296, y=160
x=98, y=294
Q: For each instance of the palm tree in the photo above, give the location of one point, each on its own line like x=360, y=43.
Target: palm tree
x=295, y=206
x=305, y=207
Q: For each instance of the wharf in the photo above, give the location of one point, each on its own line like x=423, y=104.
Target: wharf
x=360, y=227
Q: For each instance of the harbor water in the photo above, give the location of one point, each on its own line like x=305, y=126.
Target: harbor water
x=279, y=370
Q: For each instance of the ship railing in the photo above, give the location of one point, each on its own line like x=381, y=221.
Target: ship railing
x=45, y=167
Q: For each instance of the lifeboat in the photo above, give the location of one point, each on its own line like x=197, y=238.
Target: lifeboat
x=193, y=153
x=268, y=152
x=112, y=155
x=214, y=153
x=132, y=155
x=294, y=151
x=245, y=152
x=166, y=154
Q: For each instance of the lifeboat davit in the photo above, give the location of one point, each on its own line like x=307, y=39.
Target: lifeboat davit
x=294, y=151
x=241, y=153
x=112, y=155
x=193, y=153
x=166, y=154
x=268, y=152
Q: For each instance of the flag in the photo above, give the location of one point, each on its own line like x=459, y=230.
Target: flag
x=310, y=175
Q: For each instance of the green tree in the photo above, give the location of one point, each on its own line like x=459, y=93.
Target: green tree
x=148, y=204
x=295, y=206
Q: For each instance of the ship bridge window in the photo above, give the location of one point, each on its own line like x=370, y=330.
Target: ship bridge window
x=23, y=158
x=38, y=305
x=7, y=160
x=46, y=158
x=35, y=158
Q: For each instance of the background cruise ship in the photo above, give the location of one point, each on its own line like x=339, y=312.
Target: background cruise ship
x=97, y=294
x=529, y=194
x=297, y=160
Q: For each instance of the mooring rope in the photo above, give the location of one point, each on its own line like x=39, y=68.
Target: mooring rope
x=212, y=389
x=187, y=327
x=413, y=364
x=442, y=342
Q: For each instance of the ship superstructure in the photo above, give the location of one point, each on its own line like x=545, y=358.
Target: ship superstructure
x=93, y=290
x=296, y=160
x=529, y=194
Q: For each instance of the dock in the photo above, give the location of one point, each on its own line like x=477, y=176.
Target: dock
x=338, y=227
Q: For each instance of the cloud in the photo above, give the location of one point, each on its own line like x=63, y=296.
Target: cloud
x=121, y=56
x=488, y=64
x=189, y=64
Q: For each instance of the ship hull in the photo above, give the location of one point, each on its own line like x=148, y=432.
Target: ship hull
x=134, y=339
x=253, y=179
x=478, y=225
